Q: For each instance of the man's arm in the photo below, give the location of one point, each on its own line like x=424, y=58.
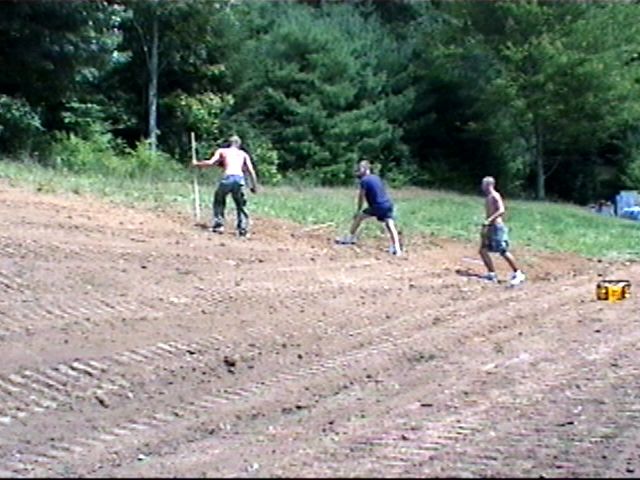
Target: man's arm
x=214, y=160
x=360, y=201
x=252, y=173
x=499, y=209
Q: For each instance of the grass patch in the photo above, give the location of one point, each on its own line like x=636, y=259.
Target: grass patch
x=542, y=226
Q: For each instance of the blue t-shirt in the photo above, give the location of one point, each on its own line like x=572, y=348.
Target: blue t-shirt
x=374, y=191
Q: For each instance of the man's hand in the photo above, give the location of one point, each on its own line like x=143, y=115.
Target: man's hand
x=253, y=189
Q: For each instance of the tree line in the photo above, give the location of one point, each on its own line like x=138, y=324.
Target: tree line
x=545, y=96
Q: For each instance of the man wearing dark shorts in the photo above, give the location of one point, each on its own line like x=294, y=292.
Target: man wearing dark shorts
x=379, y=205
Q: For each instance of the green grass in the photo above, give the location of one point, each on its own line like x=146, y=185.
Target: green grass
x=541, y=226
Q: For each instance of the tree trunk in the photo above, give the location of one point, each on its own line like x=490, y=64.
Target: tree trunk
x=153, y=88
x=539, y=161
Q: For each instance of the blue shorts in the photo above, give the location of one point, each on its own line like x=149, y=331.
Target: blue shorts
x=496, y=239
x=381, y=212
x=231, y=179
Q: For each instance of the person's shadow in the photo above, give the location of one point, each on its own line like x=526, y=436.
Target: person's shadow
x=465, y=272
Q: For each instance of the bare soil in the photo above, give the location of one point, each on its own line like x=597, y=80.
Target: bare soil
x=134, y=343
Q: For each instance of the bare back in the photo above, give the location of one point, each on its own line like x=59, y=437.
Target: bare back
x=493, y=203
x=235, y=160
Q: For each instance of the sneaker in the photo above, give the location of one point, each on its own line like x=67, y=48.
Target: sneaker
x=517, y=278
x=217, y=229
x=490, y=277
x=346, y=240
x=243, y=233
x=395, y=251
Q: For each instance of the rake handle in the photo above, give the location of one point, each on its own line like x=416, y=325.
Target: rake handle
x=196, y=190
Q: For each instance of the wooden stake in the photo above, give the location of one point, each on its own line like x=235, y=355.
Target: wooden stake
x=196, y=190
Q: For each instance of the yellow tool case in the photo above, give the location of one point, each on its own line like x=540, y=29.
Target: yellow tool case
x=613, y=290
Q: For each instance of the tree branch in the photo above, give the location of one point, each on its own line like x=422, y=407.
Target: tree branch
x=552, y=169
x=143, y=42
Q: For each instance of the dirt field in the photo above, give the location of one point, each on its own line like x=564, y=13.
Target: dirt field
x=135, y=344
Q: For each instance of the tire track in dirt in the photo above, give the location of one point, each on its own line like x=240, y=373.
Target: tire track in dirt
x=405, y=450
x=382, y=354
x=10, y=283
x=32, y=310
x=55, y=311
x=50, y=388
x=413, y=440
x=459, y=429
x=378, y=349
x=421, y=451
x=161, y=254
x=151, y=357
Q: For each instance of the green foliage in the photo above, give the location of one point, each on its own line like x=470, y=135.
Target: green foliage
x=542, y=95
x=266, y=160
x=406, y=174
x=141, y=162
x=84, y=119
x=195, y=37
x=631, y=176
x=560, y=88
x=200, y=114
x=630, y=172
x=102, y=154
x=51, y=51
x=19, y=124
x=75, y=154
x=318, y=93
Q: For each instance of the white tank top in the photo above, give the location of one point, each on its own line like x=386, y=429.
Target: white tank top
x=233, y=160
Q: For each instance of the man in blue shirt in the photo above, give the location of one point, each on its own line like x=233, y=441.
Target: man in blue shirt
x=379, y=205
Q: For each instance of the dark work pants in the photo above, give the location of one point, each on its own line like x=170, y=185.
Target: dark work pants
x=236, y=189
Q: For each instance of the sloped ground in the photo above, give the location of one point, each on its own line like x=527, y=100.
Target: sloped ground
x=135, y=344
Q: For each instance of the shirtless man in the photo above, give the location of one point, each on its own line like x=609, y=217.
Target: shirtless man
x=494, y=236
x=235, y=163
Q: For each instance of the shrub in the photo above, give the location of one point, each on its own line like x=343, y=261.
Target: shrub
x=631, y=176
x=141, y=162
x=200, y=114
x=102, y=154
x=19, y=125
x=76, y=154
x=266, y=164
